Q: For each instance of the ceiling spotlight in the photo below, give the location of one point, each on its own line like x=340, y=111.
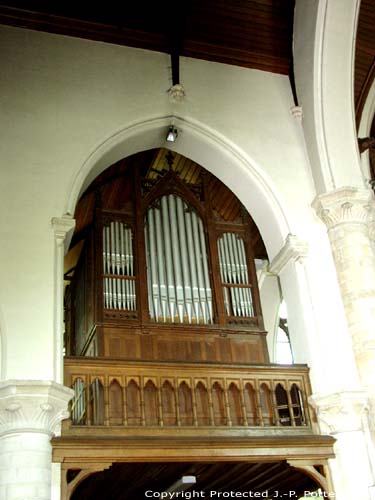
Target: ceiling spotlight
x=172, y=134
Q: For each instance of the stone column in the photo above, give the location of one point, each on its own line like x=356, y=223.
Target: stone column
x=30, y=413
x=347, y=213
x=342, y=415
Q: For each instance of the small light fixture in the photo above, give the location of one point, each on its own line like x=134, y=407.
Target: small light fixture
x=182, y=484
x=172, y=134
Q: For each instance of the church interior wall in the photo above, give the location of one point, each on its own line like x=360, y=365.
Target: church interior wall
x=66, y=97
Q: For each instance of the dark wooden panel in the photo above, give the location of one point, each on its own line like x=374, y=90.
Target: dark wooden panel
x=197, y=346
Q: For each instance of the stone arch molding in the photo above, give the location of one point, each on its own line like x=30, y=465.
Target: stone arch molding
x=324, y=50
x=368, y=115
x=208, y=148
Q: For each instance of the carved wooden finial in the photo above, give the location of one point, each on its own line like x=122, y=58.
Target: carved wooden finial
x=170, y=159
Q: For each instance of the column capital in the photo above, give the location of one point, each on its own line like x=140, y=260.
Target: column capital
x=32, y=406
x=347, y=204
x=63, y=228
x=293, y=249
x=340, y=411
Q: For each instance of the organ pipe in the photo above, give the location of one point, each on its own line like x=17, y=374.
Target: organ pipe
x=118, y=281
x=161, y=265
x=200, y=275
x=188, y=298
x=177, y=265
x=234, y=276
x=206, y=275
x=176, y=251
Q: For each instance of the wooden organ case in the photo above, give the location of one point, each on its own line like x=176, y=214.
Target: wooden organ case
x=166, y=271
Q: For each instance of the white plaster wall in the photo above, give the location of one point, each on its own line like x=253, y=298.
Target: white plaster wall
x=270, y=299
x=63, y=98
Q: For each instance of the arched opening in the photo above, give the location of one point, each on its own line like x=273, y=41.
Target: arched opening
x=283, y=348
x=163, y=273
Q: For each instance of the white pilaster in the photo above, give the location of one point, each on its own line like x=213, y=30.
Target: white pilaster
x=30, y=412
x=63, y=230
x=290, y=265
x=342, y=415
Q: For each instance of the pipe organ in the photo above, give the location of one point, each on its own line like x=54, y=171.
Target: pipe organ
x=164, y=332
x=179, y=289
x=166, y=270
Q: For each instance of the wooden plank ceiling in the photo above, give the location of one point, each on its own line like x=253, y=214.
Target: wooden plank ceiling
x=132, y=480
x=252, y=33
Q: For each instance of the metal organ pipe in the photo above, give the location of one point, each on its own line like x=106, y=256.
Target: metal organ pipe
x=151, y=305
x=244, y=277
x=199, y=267
x=181, y=259
x=153, y=266
x=234, y=275
x=161, y=266
x=184, y=259
x=193, y=271
x=236, y=265
x=224, y=274
x=118, y=282
x=206, y=274
x=178, y=285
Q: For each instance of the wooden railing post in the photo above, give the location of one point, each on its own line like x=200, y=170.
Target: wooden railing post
x=290, y=406
x=227, y=406
x=142, y=403
x=125, y=403
x=88, y=401
x=210, y=406
x=177, y=403
x=160, y=405
x=258, y=404
x=106, y=400
x=194, y=404
x=243, y=404
x=274, y=405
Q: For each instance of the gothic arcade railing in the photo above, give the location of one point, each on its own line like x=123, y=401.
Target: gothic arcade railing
x=118, y=394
